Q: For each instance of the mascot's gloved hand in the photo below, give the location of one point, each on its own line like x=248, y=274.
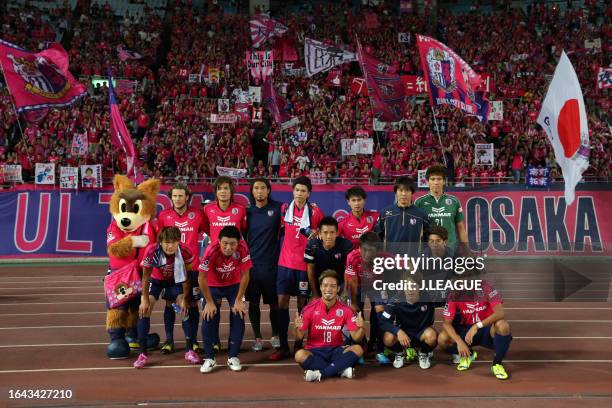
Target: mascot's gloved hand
x=140, y=241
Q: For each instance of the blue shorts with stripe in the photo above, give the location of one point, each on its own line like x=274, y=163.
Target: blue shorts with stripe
x=292, y=282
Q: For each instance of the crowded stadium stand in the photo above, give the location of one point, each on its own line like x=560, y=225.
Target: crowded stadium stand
x=169, y=97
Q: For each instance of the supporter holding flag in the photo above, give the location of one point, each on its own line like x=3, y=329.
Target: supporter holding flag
x=263, y=27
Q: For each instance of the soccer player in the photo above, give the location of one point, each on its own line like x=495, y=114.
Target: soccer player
x=328, y=252
x=476, y=319
x=263, y=236
x=300, y=220
x=403, y=222
x=359, y=279
x=407, y=322
x=443, y=210
x=165, y=267
x=223, y=211
x=189, y=221
x=224, y=273
x=360, y=220
x=323, y=318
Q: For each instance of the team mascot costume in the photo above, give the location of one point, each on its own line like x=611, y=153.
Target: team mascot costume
x=130, y=231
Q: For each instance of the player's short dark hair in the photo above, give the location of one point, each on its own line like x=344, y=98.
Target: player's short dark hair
x=261, y=180
x=329, y=221
x=356, y=191
x=404, y=182
x=435, y=170
x=369, y=238
x=219, y=181
x=169, y=234
x=180, y=186
x=439, y=231
x=303, y=180
x=328, y=273
x=229, y=232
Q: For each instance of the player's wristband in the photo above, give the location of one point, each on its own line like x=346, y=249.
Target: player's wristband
x=479, y=325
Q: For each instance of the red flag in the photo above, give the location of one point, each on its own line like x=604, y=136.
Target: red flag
x=120, y=136
x=39, y=81
x=451, y=81
x=358, y=86
x=385, y=88
x=334, y=78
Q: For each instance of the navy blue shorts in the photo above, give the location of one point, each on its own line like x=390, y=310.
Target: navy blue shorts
x=482, y=338
x=196, y=293
x=291, y=282
x=170, y=289
x=228, y=292
x=262, y=283
x=327, y=354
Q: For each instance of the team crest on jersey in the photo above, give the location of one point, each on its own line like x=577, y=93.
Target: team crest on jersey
x=236, y=255
x=448, y=201
x=339, y=312
x=337, y=256
x=412, y=221
x=270, y=213
x=423, y=308
x=234, y=211
x=191, y=215
x=369, y=219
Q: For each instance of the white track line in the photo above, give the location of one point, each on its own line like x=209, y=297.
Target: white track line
x=12, y=346
x=194, y=367
x=268, y=323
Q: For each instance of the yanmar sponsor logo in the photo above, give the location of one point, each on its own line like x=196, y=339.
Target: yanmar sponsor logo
x=471, y=308
x=183, y=226
x=223, y=222
x=321, y=327
x=439, y=212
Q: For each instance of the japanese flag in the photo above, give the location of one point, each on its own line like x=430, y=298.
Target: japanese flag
x=564, y=119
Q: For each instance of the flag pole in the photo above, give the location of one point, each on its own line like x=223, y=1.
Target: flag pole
x=438, y=132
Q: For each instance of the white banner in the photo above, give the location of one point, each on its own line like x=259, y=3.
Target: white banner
x=255, y=93
x=321, y=57
x=318, y=177
x=194, y=78
x=223, y=118
x=45, y=173
x=497, y=110
x=223, y=105
x=91, y=176
x=294, y=121
x=403, y=37
x=483, y=154
x=12, y=173
x=69, y=177
x=421, y=180
x=351, y=147
x=231, y=172
x=596, y=43
x=380, y=126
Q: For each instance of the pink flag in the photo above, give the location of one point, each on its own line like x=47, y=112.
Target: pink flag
x=120, y=135
x=273, y=102
x=39, y=81
x=263, y=27
x=385, y=88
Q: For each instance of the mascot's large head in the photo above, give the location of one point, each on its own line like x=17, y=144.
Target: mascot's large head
x=132, y=206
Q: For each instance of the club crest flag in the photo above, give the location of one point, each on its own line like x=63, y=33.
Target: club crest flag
x=385, y=88
x=321, y=57
x=564, y=119
x=39, y=80
x=263, y=27
x=450, y=80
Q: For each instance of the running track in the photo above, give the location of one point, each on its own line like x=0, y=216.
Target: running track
x=52, y=336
